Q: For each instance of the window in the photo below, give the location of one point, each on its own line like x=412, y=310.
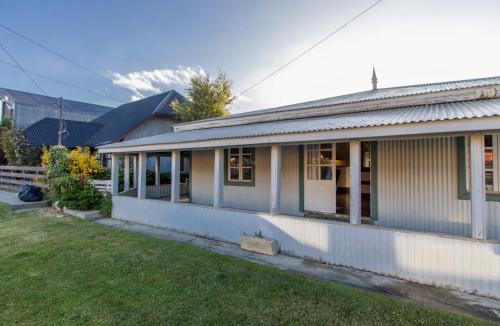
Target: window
x=320, y=161
x=240, y=167
x=491, y=166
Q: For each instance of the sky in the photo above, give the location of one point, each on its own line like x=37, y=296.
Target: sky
x=145, y=47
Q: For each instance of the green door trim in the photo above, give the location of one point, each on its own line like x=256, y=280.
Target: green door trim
x=374, y=181
x=301, y=178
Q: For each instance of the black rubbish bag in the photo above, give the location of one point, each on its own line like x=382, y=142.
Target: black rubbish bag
x=30, y=193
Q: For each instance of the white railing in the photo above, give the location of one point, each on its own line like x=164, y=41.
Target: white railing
x=14, y=177
x=102, y=185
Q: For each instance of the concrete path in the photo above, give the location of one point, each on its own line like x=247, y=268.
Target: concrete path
x=10, y=198
x=453, y=301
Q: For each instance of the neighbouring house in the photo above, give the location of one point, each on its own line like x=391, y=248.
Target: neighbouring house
x=401, y=181
x=28, y=108
x=150, y=116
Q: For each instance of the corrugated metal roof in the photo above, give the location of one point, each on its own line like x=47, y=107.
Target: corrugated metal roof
x=421, y=113
x=53, y=102
x=378, y=94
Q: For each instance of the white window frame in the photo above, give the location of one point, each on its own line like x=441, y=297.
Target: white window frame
x=496, y=163
x=240, y=166
x=315, y=150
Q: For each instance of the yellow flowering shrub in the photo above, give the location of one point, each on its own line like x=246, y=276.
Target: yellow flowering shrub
x=83, y=162
x=45, y=156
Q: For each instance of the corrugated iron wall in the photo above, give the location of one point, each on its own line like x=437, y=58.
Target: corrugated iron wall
x=418, y=188
x=202, y=177
x=460, y=263
x=252, y=198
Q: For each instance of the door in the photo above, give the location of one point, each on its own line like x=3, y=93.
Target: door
x=320, y=178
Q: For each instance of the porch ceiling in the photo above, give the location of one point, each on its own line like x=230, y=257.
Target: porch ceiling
x=341, y=122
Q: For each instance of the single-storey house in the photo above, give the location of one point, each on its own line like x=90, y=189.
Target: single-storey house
x=401, y=181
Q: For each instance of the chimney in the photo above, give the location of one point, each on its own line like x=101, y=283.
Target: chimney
x=374, y=79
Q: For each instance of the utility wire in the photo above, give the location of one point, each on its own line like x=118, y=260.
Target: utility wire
x=61, y=56
x=71, y=85
x=22, y=69
x=309, y=49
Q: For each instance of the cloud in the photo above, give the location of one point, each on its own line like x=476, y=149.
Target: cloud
x=152, y=81
x=238, y=101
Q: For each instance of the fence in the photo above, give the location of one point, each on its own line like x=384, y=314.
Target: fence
x=14, y=177
x=102, y=185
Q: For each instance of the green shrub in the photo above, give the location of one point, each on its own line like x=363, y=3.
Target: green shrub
x=57, y=161
x=74, y=193
x=17, y=150
x=81, y=197
x=8, y=148
x=6, y=123
x=106, y=205
x=59, y=184
x=104, y=174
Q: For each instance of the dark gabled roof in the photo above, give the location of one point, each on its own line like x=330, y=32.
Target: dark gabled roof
x=124, y=118
x=44, y=132
x=48, y=101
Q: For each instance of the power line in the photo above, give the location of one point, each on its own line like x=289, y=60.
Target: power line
x=61, y=56
x=71, y=85
x=310, y=48
x=22, y=69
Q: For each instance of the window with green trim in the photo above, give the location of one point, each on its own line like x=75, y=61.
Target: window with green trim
x=240, y=167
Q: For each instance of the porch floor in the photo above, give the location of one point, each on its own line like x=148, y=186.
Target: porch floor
x=453, y=301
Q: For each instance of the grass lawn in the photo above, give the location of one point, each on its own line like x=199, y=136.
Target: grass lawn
x=61, y=270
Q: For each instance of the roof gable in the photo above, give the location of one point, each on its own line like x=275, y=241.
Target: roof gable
x=124, y=118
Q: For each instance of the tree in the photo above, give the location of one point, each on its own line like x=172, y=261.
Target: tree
x=17, y=149
x=205, y=99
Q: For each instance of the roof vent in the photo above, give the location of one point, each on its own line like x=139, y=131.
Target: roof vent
x=374, y=79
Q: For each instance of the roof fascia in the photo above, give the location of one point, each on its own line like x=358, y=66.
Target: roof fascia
x=420, y=129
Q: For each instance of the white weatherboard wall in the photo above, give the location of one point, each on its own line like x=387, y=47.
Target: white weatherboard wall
x=250, y=198
x=418, y=188
x=460, y=263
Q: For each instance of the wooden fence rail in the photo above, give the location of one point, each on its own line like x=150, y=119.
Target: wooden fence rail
x=14, y=177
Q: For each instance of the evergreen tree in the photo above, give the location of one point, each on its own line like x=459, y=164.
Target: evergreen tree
x=205, y=99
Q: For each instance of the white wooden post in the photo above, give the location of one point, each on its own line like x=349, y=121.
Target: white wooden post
x=141, y=175
x=135, y=171
x=355, y=176
x=275, y=178
x=157, y=170
x=114, y=174
x=126, y=173
x=477, y=186
x=218, y=177
x=175, y=176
